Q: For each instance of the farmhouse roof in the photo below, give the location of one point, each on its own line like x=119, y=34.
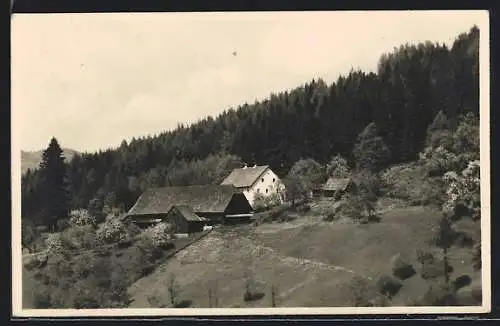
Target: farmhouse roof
x=201, y=198
x=188, y=213
x=244, y=177
x=336, y=184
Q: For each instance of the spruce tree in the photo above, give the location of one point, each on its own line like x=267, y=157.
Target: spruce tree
x=54, y=199
x=370, y=152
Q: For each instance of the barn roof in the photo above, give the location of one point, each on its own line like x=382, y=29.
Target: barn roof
x=336, y=184
x=244, y=177
x=188, y=213
x=201, y=198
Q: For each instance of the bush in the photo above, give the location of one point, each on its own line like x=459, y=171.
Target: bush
x=183, y=304
x=388, y=286
x=460, y=282
x=433, y=270
x=425, y=257
x=79, y=237
x=81, y=217
x=111, y=231
x=42, y=299
x=304, y=208
x=401, y=269
x=438, y=295
x=363, y=293
x=133, y=230
x=357, y=208
x=149, y=252
x=249, y=296
x=54, y=243
x=85, y=302
x=463, y=240
x=160, y=235
x=62, y=225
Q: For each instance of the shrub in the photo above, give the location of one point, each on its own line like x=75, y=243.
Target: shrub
x=79, y=237
x=85, y=302
x=54, y=243
x=363, y=293
x=81, y=217
x=388, y=286
x=463, y=192
x=262, y=202
x=149, y=252
x=463, y=239
x=160, y=235
x=304, y=208
x=460, y=282
x=62, y=225
x=183, y=304
x=250, y=293
x=401, y=269
x=425, y=257
x=154, y=302
x=438, y=295
x=358, y=208
x=433, y=270
x=249, y=296
x=42, y=299
x=133, y=230
x=111, y=231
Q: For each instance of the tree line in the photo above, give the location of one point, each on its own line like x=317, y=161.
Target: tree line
x=315, y=120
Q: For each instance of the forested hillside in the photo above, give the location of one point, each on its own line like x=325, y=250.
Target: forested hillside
x=315, y=120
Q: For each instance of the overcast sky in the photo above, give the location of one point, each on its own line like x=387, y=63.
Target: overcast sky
x=92, y=80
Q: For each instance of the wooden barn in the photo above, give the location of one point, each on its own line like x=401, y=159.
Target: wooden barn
x=334, y=187
x=213, y=204
x=184, y=220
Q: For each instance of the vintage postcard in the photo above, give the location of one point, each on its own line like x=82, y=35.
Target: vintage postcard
x=250, y=163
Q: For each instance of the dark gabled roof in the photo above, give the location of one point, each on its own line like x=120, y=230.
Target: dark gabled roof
x=202, y=198
x=336, y=184
x=188, y=213
x=244, y=177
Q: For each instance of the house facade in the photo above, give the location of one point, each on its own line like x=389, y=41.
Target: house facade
x=256, y=180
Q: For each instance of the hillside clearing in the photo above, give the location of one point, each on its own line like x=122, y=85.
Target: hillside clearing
x=309, y=261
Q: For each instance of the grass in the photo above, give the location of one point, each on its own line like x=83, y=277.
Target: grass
x=310, y=261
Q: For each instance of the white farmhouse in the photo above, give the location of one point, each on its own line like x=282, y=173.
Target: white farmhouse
x=254, y=180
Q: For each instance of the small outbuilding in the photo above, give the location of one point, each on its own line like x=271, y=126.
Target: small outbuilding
x=184, y=220
x=335, y=187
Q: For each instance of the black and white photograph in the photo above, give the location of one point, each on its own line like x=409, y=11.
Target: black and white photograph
x=250, y=163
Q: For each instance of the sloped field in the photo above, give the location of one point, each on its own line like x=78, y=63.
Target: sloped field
x=309, y=262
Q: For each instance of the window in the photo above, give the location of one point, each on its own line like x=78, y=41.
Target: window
x=262, y=179
x=266, y=191
x=274, y=180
